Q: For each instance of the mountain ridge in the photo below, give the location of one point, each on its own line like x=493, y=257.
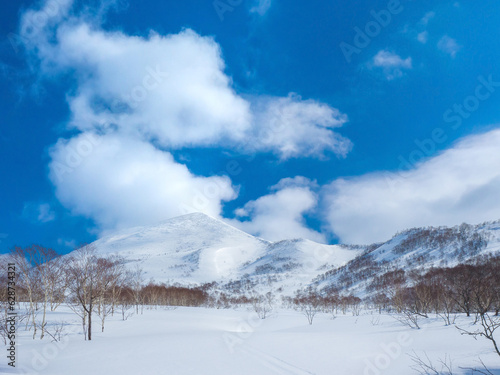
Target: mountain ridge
x=196, y=248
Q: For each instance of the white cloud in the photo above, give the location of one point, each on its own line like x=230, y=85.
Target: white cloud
x=280, y=214
x=71, y=244
x=38, y=212
x=261, y=7
x=391, y=63
x=291, y=127
x=386, y=59
x=297, y=181
x=423, y=37
x=419, y=30
x=138, y=97
x=172, y=89
x=425, y=19
x=123, y=182
x=45, y=213
x=460, y=185
x=449, y=46
x=165, y=90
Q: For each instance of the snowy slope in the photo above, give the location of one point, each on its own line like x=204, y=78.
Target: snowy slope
x=192, y=247
x=197, y=248
x=293, y=264
x=415, y=249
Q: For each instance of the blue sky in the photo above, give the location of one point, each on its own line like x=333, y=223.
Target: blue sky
x=333, y=121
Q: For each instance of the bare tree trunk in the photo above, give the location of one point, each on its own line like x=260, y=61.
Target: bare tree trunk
x=84, y=321
x=33, y=319
x=44, y=323
x=90, y=322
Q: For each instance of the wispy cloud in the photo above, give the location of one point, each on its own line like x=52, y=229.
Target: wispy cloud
x=391, y=64
x=38, y=212
x=261, y=7
x=70, y=244
x=423, y=37
x=426, y=19
x=422, y=34
x=292, y=127
x=449, y=46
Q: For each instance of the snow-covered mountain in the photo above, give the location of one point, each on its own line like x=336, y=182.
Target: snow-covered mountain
x=416, y=249
x=196, y=248
x=192, y=247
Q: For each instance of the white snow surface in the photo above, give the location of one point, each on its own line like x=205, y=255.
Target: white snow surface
x=199, y=341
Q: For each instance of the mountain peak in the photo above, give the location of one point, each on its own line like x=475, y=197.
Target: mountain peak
x=193, y=216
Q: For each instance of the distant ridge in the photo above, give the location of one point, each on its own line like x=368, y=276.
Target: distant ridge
x=196, y=248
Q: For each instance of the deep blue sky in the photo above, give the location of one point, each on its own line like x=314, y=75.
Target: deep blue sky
x=293, y=47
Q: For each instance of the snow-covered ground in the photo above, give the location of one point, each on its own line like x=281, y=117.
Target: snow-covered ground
x=209, y=341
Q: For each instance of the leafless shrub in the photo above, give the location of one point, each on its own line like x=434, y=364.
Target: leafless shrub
x=424, y=366
x=57, y=330
x=408, y=318
x=309, y=304
x=262, y=305
x=488, y=325
x=474, y=370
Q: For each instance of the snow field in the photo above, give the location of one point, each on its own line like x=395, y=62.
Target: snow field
x=209, y=341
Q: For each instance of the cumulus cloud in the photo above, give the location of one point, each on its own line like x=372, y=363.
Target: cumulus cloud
x=460, y=185
x=171, y=89
x=391, y=63
x=449, y=46
x=132, y=99
x=123, y=182
x=294, y=182
x=280, y=214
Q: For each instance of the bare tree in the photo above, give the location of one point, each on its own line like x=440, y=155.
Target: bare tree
x=58, y=331
x=137, y=281
x=331, y=304
x=408, y=318
x=489, y=324
x=28, y=279
x=462, y=278
x=309, y=304
x=426, y=367
x=89, y=279
x=50, y=276
x=261, y=305
x=111, y=271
